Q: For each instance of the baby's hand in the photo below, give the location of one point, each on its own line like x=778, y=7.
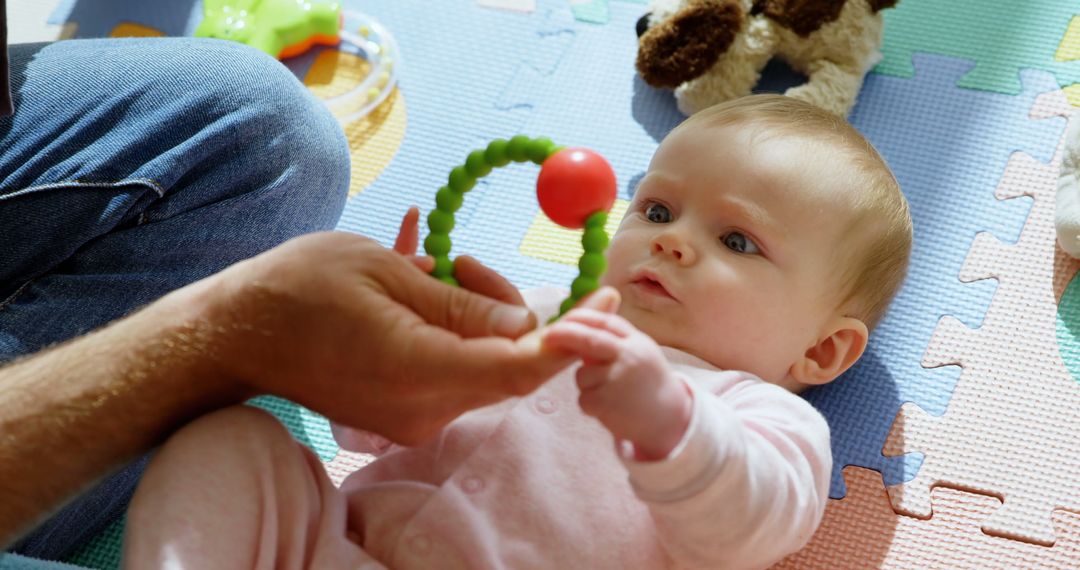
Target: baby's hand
x=625, y=381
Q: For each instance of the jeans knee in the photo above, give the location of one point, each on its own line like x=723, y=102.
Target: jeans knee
x=288, y=129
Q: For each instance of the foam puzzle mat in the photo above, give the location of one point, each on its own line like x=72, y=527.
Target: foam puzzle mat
x=955, y=436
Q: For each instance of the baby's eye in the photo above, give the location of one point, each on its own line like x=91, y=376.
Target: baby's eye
x=657, y=213
x=737, y=241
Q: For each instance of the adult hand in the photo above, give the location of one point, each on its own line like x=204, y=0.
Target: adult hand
x=333, y=321
x=470, y=273
x=359, y=333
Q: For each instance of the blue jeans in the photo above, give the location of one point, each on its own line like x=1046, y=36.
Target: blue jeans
x=133, y=167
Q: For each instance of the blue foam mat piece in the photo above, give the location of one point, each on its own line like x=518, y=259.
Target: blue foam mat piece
x=173, y=18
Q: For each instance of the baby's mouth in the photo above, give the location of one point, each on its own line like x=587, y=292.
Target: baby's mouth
x=652, y=286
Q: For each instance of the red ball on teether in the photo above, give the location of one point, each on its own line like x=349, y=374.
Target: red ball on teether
x=573, y=184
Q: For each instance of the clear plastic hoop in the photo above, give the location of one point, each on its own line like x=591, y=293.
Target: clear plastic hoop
x=378, y=47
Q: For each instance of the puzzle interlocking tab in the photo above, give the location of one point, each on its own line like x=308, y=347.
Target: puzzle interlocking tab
x=1010, y=427
x=862, y=531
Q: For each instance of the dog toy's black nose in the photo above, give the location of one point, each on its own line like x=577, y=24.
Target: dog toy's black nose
x=642, y=25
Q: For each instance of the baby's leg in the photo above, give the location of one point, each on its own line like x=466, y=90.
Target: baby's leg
x=234, y=490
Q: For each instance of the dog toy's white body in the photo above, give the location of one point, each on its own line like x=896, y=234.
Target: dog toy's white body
x=1067, y=212
x=835, y=57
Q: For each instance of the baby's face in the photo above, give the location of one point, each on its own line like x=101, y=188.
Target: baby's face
x=729, y=248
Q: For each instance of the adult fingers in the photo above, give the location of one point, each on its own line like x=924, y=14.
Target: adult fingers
x=477, y=277
x=424, y=263
x=408, y=234
x=454, y=308
x=483, y=370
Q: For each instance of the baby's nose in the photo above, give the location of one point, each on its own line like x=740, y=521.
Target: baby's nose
x=671, y=244
x=674, y=251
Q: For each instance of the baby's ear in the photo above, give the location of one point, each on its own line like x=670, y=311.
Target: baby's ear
x=835, y=352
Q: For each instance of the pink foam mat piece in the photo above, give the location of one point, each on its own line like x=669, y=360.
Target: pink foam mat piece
x=345, y=463
x=1011, y=427
x=862, y=531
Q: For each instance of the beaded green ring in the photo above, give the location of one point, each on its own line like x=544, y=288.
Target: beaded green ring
x=480, y=163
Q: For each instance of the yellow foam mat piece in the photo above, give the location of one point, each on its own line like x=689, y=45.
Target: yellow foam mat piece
x=1072, y=93
x=133, y=30
x=373, y=139
x=548, y=241
x=1069, y=49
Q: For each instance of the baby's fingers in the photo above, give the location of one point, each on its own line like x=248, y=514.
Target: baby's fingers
x=590, y=378
x=600, y=320
x=595, y=345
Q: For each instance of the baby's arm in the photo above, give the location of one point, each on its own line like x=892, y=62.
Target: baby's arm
x=749, y=482
x=744, y=480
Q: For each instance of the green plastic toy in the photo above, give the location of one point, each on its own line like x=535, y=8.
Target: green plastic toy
x=576, y=189
x=281, y=28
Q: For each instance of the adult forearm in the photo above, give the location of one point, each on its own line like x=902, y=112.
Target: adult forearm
x=73, y=413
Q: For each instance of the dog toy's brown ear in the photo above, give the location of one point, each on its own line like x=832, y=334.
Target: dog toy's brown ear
x=803, y=17
x=686, y=45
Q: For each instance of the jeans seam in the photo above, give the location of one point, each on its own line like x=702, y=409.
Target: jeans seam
x=153, y=184
x=11, y=298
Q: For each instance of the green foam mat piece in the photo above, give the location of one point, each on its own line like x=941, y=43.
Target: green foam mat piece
x=306, y=426
x=1000, y=36
x=592, y=11
x=104, y=551
x=1068, y=328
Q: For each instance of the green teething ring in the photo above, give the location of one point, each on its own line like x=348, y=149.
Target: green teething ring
x=480, y=163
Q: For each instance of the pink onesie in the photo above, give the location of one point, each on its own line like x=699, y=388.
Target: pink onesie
x=532, y=482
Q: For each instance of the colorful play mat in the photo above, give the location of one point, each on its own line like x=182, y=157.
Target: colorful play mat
x=955, y=436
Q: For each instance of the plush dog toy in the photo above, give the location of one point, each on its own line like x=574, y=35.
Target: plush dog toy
x=711, y=51
x=1067, y=211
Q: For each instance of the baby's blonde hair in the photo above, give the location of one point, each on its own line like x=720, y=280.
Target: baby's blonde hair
x=880, y=216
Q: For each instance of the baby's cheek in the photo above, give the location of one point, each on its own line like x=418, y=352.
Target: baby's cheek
x=617, y=260
x=738, y=335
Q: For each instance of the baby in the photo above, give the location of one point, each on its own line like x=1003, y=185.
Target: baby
x=763, y=244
